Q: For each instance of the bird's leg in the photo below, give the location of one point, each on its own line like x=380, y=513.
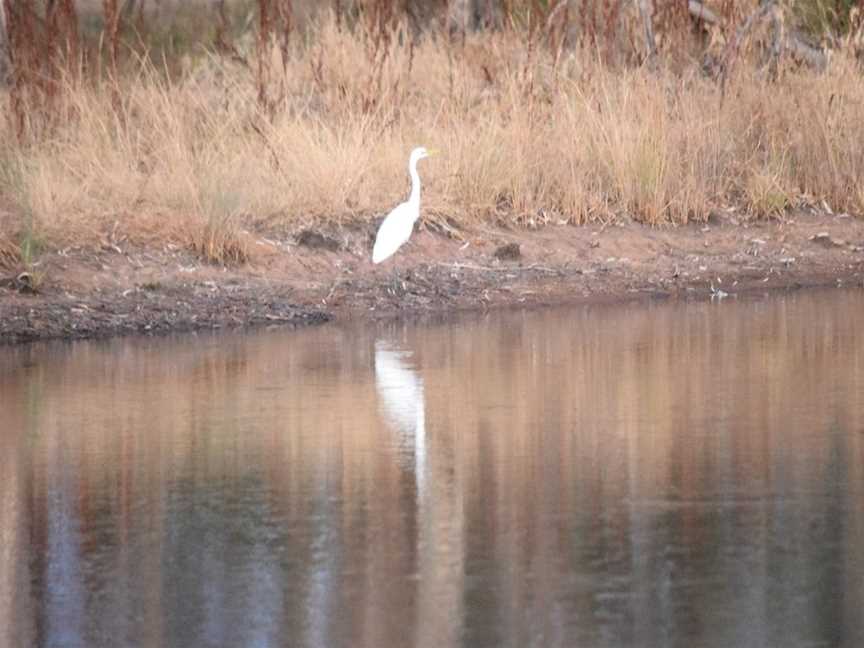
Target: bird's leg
x=400, y=279
x=394, y=278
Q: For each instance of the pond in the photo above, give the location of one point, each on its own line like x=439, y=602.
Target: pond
x=646, y=474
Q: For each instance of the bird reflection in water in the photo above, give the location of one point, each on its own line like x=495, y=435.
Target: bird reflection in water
x=400, y=390
x=440, y=552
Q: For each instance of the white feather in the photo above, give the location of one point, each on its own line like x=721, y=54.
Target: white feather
x=396, y=229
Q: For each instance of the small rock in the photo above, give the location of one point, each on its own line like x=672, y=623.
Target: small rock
x=317, y=241
x=508, y=252
x=24, y=283
x=824, y=239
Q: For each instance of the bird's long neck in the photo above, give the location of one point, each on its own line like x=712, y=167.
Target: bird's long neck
x=414, y=198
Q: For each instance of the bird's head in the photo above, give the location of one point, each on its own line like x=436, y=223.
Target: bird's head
x=422, y=152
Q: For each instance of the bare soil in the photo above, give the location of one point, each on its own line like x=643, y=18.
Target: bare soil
x=306, y=277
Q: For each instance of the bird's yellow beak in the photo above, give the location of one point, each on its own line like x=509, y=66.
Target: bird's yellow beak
x=432, y=151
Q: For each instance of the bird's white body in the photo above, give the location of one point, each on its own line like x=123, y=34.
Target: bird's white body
x=395, y=231
x=397, y=227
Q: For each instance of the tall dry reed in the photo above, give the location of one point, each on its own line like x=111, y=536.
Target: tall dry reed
x=530, y=135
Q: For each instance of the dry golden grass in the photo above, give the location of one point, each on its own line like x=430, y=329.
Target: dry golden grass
x=10, y=254
x=526, y=140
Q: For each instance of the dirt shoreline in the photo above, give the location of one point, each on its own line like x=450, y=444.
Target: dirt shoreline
x=302, y=278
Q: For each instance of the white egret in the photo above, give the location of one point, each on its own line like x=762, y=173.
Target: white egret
x=397, y=227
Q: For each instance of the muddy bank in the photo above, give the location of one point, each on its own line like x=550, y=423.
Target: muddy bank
x=299, y=278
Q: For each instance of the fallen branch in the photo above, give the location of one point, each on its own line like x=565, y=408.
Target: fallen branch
x=812, y=56
x=781, y=42
x=645, y=11
x=222, y=43
x=703, y=13
x=550, y=19
x=479, y=268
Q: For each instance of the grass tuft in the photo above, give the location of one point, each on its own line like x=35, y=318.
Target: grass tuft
x=220, y=244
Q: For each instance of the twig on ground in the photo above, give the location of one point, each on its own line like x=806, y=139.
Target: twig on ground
x=479, y=268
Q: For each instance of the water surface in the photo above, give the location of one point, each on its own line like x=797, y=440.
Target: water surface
x=645, y=475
